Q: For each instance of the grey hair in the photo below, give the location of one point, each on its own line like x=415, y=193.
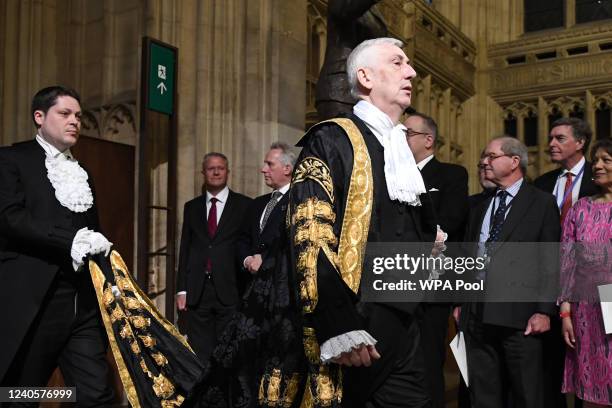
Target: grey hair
x=581, y=130
x=215, y=154
x=360, y=57
x=288, y=155
x=511, y=146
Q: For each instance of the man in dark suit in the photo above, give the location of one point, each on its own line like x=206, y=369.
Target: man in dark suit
x=207, y=281
x=568, y=141
x=488, y=187
x=504, y=340
x=48, y=224
x=447, y=185
x=259, y=244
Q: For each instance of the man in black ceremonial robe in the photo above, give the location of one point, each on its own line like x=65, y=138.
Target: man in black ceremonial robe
x=356, y=182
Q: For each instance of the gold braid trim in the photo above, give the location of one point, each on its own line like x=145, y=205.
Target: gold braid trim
x=314, y=208
x=128, y=282
x=307, y=268
x=278, y=390
x=98, y=280
x=162, y=386
x=323, y=388
x=131, y=321
x=358, y=210
x=177, y=402
x=314, y=169
x=311, y=346
x=314, y=230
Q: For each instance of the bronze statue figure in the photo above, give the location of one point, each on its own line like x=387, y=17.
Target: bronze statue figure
x=349, y=22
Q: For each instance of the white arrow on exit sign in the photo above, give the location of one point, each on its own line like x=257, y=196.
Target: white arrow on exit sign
x=162, y=87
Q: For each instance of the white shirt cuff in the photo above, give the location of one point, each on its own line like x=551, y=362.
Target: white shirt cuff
x=182, y=292
x=344, y=343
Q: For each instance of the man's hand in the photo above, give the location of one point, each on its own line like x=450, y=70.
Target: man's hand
x=181, y=302
x=87, y=242
x=538, y=323
x=457, y=314
x=362, y=356
x=253, y=263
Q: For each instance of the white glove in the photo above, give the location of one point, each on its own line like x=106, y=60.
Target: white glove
x=88, y=242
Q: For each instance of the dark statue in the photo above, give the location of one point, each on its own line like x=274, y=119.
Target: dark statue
x=349, y=22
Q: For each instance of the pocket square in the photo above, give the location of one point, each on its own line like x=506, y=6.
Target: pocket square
x=433, y=189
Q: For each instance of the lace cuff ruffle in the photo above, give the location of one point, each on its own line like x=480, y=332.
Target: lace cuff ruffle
x=344, y=343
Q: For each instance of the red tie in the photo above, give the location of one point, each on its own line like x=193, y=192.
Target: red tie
x=212, y=226
x=212, y=217
x=567, y=203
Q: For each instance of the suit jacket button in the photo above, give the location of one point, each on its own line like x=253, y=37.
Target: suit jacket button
x=210, y=246
x=399, y=232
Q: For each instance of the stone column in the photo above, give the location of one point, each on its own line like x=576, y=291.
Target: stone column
x=520, y=126
x=444, y=114
x=242, y=80
x=542, y=134
x=589, y=110
x=570, y=13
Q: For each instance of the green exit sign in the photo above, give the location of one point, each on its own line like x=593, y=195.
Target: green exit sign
x=162, y=69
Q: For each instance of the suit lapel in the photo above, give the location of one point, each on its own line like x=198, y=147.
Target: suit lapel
x=37, y=158
x=476, y=221
x=520, y=205
x=587, y=187
x=552, y=181
x=226, y=214
x=200, y=216
x=430, y=171
x=280, y=206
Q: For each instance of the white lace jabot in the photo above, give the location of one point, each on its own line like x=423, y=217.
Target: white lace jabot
x=67, y=178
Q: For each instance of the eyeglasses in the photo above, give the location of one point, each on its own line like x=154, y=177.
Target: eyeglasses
x=411, y=132
x=492, y=156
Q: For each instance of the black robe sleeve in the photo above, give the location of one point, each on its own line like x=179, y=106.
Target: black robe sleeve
x=319, y=186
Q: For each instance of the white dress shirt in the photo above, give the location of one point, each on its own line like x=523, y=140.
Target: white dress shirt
x=51, y=150
x=283, y=190
x=423, y=162
x=486, y=221
x=221, y=201
x=559, y=190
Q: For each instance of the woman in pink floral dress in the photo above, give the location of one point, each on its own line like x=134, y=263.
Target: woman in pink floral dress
x=586, y=262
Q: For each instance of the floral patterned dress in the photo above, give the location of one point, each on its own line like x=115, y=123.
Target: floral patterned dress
x=586, y=263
